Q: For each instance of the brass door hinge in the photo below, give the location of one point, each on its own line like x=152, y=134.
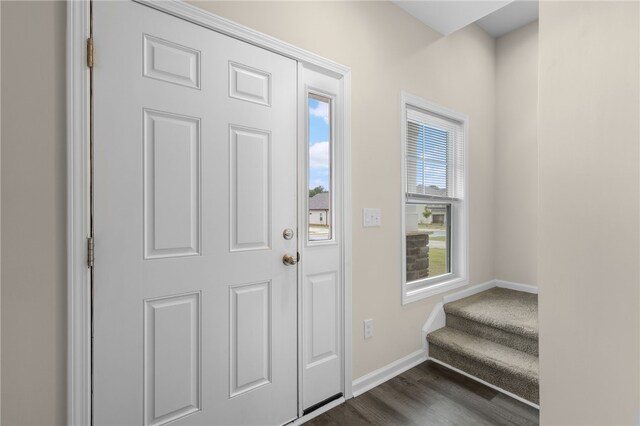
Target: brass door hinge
x=90, y=52
x=90, y=252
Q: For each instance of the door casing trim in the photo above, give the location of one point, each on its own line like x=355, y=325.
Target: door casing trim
x=78, y=216
x=78, y=184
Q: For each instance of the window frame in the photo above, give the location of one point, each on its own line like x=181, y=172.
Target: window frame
x=459, y=211
x=321, y=96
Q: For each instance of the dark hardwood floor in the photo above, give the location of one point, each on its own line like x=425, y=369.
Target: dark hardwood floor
x=430, y=394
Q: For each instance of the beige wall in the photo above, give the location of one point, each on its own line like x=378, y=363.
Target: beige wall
x=389, y=51
x=33, y=213
x=589, y=186
x=516, y=156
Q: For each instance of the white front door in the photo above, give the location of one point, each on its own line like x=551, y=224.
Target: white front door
x=195, y=314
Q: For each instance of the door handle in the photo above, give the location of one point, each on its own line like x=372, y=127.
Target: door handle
x=289, y=260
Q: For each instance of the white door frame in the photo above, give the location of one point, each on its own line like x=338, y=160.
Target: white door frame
x=78, y=182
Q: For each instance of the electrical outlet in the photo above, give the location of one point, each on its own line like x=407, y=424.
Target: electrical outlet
x=368, y=328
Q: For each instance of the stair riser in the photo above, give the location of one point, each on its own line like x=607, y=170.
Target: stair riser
x=502, y=337
x=505, y=380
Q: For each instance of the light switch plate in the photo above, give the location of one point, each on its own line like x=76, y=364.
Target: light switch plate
x=371, y=217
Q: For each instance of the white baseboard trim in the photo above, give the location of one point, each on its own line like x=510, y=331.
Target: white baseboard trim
x=317, y=412
x=381, y=375
x=517, y=286
x=470, y=291
x=486, y=286
x=512, y=395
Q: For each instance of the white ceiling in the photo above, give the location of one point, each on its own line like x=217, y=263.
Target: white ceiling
x=511, y=17
x=496, y=17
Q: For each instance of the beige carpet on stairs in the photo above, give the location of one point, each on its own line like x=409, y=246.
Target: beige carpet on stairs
x=492, y=335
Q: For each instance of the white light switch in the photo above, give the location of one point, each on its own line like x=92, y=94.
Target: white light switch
x=371, y=217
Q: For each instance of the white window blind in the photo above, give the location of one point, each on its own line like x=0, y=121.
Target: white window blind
x=434, y=157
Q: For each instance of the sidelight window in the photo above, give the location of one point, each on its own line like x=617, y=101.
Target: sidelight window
x=319, y=161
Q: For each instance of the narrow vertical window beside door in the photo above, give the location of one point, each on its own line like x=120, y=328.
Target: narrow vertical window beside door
x=319, y=160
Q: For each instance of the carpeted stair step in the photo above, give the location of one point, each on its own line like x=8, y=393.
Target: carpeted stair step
x=494, y=334
x=501, y=315
x=510, y=369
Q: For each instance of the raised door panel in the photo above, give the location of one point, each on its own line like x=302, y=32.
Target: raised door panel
x=170, y=62
x=171, y=185
x=171, y=358
x=250, y=332
x=250, y=204
x=249, y=84
x=321, y=319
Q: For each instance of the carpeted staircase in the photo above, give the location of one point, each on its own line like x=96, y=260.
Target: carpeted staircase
x=492, y=335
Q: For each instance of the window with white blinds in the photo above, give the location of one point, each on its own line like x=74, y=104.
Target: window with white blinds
x=434, y=157
x=435, y=206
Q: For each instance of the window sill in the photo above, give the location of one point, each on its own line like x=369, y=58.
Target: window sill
x=413, y=295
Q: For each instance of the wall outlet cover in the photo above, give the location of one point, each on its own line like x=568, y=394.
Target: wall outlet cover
x=368, y=328
x=371, y=217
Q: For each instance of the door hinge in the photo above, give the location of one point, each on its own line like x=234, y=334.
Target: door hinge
x=90, y=252
x=90, y=52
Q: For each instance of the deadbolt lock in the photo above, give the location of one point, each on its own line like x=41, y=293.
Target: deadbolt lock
x=287, y=234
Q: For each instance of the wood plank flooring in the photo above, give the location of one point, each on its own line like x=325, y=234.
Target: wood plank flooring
x=429, y=394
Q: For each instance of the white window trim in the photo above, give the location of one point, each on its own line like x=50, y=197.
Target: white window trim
x=310, y=91
x=459, y=275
